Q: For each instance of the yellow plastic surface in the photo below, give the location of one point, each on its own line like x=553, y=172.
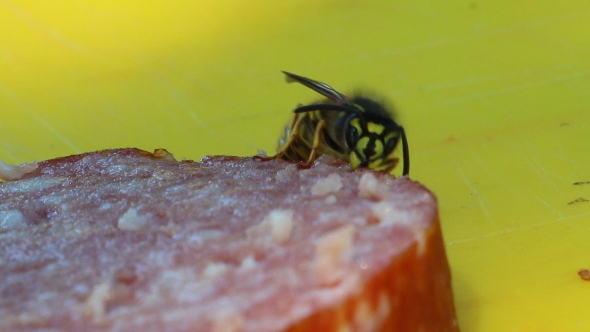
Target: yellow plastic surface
x=495, y=98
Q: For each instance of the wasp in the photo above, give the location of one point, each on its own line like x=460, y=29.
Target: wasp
x=355, y=129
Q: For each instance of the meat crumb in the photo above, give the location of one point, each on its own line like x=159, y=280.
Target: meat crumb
x=327, y=185
x=584, y=274
x=163, y=154
x=333, y=254
x=12, y=172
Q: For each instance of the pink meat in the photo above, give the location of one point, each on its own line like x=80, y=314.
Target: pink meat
x=127, y=240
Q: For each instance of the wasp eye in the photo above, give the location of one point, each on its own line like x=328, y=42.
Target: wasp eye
x=352, y=135
x=389, y=146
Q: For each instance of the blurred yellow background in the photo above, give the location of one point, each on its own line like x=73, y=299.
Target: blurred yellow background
x=494, y=97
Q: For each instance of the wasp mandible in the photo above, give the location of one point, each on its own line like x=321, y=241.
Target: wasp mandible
x=355, y=129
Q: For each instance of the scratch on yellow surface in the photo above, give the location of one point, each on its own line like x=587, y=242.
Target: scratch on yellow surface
x=21, y=104
x=179, y=100
x=512, y=89
x=560, y=218
x=475, y=193
x=477, y=35
x=39, y=26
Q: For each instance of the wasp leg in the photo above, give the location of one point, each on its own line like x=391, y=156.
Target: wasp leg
x=317, y=141
x=293, y=132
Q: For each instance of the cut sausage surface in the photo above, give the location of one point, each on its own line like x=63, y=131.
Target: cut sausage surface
x=127, y=240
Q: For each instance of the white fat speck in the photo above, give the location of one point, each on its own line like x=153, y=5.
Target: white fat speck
x=278, y=223
x=118, y=169
x=46, y=296
x=331, y=199
x=176, y=277
x=421, y=240
x=387, y=214
x=31, y=185
x=345, y=327
x=286, y=174
x=181, y=283
x=51, y=199
x=202, y=236
x=228, y=321
x=332, y=255
x=95, y=304
x=327, y=185
x=368, y=185
x=364, y=316
x=158, y=258
x=80, y=289
x=131, y=221
x=281, y=222
x=215, y=269
x=226, y=201
x=358, y=221
x=105, y=206
x=12, y=219
x=368, y=319
x=29, y=319
x=248, y=263
x=174, y=189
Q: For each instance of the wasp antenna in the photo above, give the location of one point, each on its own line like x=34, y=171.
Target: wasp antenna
x=290, y=78
x=405, y=152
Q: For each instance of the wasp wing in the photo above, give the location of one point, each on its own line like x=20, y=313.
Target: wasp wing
x=319, y=87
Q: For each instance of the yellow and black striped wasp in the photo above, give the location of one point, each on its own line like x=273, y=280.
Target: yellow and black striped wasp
x=354, y=129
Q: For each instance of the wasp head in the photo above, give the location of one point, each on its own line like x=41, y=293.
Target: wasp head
x=372, y=136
